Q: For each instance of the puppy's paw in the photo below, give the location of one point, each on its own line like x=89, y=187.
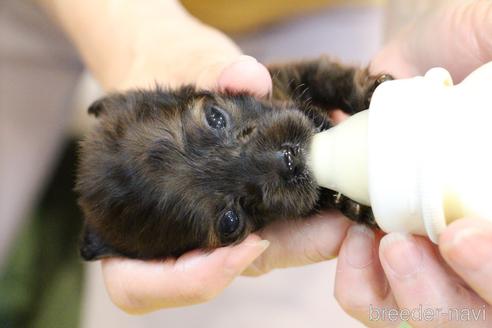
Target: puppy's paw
x=373, y=82
x=353, y=210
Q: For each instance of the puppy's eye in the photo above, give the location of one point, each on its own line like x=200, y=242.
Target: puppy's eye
x=216, y=118
x=229, y=223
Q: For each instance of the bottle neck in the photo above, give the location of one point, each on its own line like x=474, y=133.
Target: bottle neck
x=338, y=158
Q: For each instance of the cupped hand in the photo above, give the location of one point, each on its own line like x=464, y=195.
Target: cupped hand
x=140, y=287
x=144, y=286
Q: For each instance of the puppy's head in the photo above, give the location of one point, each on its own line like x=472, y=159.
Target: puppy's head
x=165, y=172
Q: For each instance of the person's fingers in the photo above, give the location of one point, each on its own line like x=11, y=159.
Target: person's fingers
x=337, y=116
x=246, y=74
x=243, y=73
x=466, y=245
x=300, y=242
x=361, y=287
x=143, y=286
x=240, y=74
x=419, y=278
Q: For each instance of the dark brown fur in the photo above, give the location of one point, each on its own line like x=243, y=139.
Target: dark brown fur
x=168, y=171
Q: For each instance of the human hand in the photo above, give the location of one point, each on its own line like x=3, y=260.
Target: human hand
x=383, y=280
x=143, y=286
x=139, y=287
x=130, y=44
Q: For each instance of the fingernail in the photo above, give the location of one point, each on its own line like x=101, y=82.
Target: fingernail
x=401, y=253
x=360, y=246
x=243, y=255
x=245, y=74
x=469, y=248
x=246, y=58
x=261, y=244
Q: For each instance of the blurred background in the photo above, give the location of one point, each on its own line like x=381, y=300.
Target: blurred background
x=42, y=281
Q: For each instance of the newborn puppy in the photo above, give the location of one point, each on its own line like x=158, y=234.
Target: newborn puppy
x=168, y=171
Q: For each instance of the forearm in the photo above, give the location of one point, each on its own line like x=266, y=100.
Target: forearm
x=156, y=38
x=455, y=36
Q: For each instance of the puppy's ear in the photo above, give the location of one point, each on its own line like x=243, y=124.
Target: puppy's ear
x=113, y=102
x=92, y=247
x=97, y=107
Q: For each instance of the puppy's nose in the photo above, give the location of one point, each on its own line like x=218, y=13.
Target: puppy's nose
x=291, y=158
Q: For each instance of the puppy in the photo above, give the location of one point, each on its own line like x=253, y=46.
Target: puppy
x=168, y=171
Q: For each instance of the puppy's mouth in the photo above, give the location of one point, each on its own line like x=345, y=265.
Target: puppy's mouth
x=290, y=190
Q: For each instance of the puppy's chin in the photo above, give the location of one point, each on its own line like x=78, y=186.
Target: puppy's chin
x=298, y=197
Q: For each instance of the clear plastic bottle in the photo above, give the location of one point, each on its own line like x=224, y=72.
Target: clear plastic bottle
x=421, y=156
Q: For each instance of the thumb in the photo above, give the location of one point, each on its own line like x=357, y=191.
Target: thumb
x=139, y=287
x=300, y=242
x=244, y=73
